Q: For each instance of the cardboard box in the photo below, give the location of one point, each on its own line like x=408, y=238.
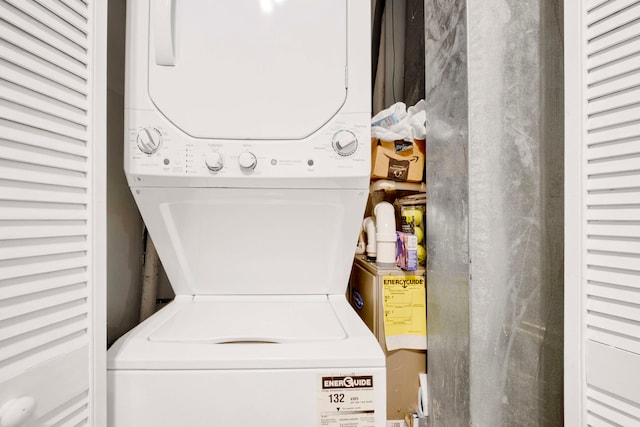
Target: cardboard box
x=397, y=160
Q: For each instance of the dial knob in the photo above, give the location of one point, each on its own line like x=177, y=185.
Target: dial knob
x=149, y=140
x=344, y=142
x=247, y=161
x=214, y=161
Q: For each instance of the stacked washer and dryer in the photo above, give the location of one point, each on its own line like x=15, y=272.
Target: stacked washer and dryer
x=247, y=152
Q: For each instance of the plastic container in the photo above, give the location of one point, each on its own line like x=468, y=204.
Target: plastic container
x=411, y=218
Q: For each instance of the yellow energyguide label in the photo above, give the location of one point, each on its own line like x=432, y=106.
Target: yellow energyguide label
x=404, y=304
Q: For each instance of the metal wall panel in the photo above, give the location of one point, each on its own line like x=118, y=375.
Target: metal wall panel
x=495, y=206
x=447, y=212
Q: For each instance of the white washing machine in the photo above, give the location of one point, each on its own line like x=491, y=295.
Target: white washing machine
x=247, y=151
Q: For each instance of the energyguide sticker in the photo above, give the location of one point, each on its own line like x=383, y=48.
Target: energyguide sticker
x=405, y=312
x=346, y=401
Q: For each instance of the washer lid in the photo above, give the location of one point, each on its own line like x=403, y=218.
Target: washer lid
x=259, y=319
x=248, y=69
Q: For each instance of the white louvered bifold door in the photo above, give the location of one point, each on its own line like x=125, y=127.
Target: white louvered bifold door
x=602, y=222
x=52, y=151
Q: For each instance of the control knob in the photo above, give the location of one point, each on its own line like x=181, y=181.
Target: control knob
x=214, y=161
x=247, y=161
x=149, y=140
x=344, y=142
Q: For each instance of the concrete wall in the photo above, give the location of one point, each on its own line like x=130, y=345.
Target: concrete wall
x=495, y=174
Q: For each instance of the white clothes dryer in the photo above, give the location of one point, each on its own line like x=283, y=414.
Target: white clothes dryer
x=247, y=152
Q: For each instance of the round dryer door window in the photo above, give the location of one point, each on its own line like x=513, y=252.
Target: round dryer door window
x=248, y=69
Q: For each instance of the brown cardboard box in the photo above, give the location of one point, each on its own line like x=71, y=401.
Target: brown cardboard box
x=397, y=160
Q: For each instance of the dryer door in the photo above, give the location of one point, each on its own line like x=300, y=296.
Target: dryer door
x=248, y=69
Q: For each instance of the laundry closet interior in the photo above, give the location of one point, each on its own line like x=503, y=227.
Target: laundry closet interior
x=423, y=54
x=255, y=263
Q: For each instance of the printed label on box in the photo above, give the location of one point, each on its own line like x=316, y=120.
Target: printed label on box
x=398, y=169
x=346, y=401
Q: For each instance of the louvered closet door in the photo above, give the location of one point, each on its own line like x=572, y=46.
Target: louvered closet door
x=52, y=67
x=602, y=287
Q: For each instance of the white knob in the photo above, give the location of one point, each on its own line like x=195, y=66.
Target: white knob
x=214, y=161
x=247, y=160
x=344, y=142
x=16, y=412
x=149, y=140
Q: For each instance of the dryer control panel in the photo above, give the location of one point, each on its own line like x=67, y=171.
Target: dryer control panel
x=156, y=148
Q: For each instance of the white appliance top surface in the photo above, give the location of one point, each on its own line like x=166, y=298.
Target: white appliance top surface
x=251, y=320
x=308, y=331
x=249, y=69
